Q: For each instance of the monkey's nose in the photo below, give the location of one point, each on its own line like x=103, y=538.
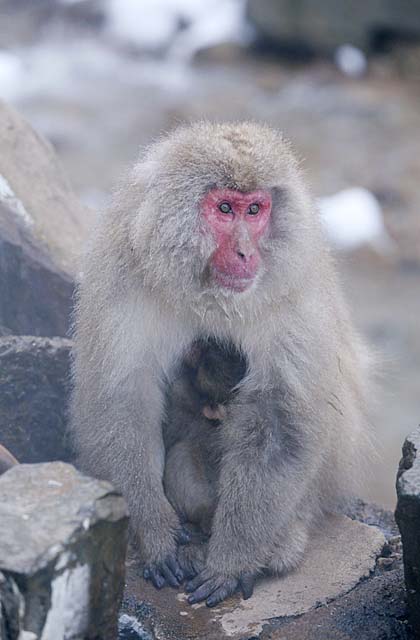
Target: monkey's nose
x=244, y=255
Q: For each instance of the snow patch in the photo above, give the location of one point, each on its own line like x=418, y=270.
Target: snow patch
x=8, y=196
x=68, y=616
x=156, y=24
x=353, y=218
x=350, y=60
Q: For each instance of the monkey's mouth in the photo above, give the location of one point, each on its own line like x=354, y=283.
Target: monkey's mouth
x=232, y=282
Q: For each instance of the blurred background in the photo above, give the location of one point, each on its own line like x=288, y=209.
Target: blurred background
x=100, y=78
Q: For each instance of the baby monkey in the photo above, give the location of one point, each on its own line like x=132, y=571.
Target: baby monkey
x=215, y=371
x=198, y=403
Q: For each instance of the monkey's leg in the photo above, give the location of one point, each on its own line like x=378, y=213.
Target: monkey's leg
x=187, y=486
x=269, y=465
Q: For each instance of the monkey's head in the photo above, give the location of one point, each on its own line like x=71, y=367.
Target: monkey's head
x=218, y=210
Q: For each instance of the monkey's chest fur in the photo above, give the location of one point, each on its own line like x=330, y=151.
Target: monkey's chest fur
x=204, y=385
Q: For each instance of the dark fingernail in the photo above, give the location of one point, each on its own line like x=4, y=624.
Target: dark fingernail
x=146, y=574
x=210, y=602
x=160, y=582
x=191, y=600
x=189, y=587
x=179, y=575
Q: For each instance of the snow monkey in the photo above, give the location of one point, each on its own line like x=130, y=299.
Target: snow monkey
x=213, y=236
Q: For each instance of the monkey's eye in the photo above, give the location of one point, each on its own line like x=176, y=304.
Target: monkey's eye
x=253, y=209
x=225, y=207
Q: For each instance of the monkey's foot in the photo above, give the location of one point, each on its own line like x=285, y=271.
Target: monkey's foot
x=166, y=572
x=214, y=588
x=169, y=571
x=192, y=558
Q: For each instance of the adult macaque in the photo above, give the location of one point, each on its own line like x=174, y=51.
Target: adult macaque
x=214, y=236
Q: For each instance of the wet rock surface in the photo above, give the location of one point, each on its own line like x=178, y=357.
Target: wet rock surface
x=342, y=554
x=34, y=388
x=62, y=548
x=374, y=609
x=408, y=518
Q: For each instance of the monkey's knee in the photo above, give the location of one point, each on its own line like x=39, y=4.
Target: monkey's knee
x=186, y=486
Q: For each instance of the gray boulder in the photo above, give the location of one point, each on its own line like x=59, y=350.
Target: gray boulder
x=34, y=387
x=35, y=295
x=323, y=26
x=407, y=516
x=42, y=228
x=63, y=540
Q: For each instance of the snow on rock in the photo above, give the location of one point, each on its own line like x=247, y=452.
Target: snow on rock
x=353, y=218
x=155, y=24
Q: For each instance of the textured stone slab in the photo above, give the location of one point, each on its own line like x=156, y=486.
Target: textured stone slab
x=33, y=185
x=42, y=228
x=407, y=516
x=34, y=387
x=62, y=543
x=341, y=554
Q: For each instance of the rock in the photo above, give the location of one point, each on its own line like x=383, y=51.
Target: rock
x=34, y=383
x=35, y=295
x=220, y=54
x=407, y=516
x=7, y=460
x=342, y=554
x=62, y=548
x=374, y=609
x=42, y=227
x=34, y=187
x=323, y=26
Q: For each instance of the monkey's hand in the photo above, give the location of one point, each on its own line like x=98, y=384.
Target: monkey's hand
x=214, y=587
x=168, y=570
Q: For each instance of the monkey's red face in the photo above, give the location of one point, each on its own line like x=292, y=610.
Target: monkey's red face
x=237, y=222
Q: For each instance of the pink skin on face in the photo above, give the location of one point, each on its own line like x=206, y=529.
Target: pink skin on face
x=236, y=260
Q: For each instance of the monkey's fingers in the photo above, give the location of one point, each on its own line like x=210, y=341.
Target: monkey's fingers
x=172, y=571
x=212, y=589
x=246, y=583
x=153, y=574
x=221, y=593
x=203, y=591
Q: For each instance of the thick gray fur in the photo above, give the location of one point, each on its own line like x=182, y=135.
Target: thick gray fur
x=293, y=434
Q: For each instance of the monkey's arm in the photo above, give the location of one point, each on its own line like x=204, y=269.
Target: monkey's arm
x=117, y=411
x=268, y=466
